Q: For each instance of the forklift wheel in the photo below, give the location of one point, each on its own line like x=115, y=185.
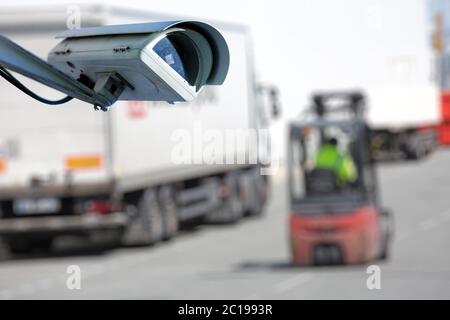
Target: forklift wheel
x=387, y=233
x=327, y=255
x=384, y=256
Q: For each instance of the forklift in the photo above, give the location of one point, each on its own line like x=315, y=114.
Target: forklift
x=335, y=222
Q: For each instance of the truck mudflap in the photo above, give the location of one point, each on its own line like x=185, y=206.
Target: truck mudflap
x=85, y=222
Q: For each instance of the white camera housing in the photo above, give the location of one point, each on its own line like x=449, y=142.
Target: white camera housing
x=166, y=61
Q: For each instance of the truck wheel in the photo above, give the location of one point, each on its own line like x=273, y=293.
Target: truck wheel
x=232, y=209
x=169, y=213
x=260, y=192
x=24, y=245
x=44, y=244
x=149, y=209
x=19, y=246
x=410, y=152
x=146, y=227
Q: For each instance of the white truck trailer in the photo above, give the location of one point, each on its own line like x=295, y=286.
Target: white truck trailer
x=404, y=97
x=384, y=48
x=139, y=170
x=439, y=14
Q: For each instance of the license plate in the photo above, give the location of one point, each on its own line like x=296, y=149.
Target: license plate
x=37, y=206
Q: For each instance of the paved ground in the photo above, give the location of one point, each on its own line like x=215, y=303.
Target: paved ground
x=250, y=260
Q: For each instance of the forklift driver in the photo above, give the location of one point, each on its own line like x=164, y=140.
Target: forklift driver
x=329, y=157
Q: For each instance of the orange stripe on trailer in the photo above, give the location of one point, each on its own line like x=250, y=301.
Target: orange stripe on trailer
x=3, y=166
x=83, y=162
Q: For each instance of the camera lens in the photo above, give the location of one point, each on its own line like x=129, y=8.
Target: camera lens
x=166, y=51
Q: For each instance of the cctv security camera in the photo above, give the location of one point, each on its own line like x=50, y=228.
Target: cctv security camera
x=166, y=61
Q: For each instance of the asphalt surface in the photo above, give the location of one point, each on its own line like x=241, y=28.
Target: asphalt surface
x=251, y=261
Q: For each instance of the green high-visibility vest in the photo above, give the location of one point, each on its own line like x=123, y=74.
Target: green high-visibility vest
x=329, y=157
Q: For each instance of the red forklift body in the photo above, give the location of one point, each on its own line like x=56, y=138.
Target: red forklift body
x=355, y=235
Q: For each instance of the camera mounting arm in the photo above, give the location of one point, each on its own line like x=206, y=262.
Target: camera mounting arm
x=17, y=59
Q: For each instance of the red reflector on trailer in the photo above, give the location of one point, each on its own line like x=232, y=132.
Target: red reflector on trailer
x=99, y=206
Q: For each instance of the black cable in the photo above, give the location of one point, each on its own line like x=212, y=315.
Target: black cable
x=11, y=79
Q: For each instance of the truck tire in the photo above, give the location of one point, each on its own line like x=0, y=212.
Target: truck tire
x=21, y=246
x=24, y=245
x=169, y=212
x=232, y=209
x=411, y=152
x=260, y=195
x=44, y=244
x=412, y=155
x=146, y=226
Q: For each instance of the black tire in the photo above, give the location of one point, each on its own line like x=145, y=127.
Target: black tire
x=24, y=245
x=260, y=195
x=169, y=212
x=21, y=246
x=387, y=228
x=263, y=189
x=384, y=256
x=335, y=256
x=384, y=253
x=232, y=208
x=44, y=244
x=146, y=227
x=327, y=256
x=411, y=153
x=320, y=256
x=233, y=203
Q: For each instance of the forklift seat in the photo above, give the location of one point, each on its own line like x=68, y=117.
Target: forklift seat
x=320, y=181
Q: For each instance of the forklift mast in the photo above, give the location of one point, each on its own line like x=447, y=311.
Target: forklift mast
x=351, y=101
